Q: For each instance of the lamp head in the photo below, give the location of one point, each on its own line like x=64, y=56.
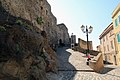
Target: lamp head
x=83, y=28
x=90, y=29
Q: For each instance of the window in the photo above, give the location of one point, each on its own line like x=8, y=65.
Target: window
x=103, y=39
x=118, y=37
x=104, y=48
x=100, y=41
x=110, y=32
x=119, y=18
x=108, y=47
x=111, y=44
x=41, y=8
x=106, y=37
x=109, y=57
x=116, y=23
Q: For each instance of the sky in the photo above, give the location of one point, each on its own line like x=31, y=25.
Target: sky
x=74, y=13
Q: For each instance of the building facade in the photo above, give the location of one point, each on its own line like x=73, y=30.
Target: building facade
x=83, y=44
x=107, y=45
x=73, y=40
x=98, y=48
x=116, y=24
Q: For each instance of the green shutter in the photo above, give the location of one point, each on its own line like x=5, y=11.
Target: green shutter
x=119, y=18
x=118, y=37
x=116, y=23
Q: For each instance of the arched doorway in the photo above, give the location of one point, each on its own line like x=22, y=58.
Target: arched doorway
x=115, y=60
x=60, y=42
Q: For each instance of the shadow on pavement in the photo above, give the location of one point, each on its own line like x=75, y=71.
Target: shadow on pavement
x=78, y=70
x=64, y=66
x=106, y=70
x=107, y=63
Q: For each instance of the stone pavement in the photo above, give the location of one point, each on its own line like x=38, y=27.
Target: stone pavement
x=72, y=66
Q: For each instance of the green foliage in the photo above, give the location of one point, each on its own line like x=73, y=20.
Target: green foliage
x=20, y=22
x=2, y=28
x=17, y=47
x=84, y=51
x=40, y=20
x=19, y=53
x=43, y=56
x=28, y=26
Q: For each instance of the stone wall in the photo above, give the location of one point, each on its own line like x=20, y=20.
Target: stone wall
x=63, y=33
x=83, y=44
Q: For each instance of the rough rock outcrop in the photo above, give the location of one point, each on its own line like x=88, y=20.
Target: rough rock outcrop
x=33, y=10
x=21, y=49
x=21, y=53
x=28, y=9
x=26, y=28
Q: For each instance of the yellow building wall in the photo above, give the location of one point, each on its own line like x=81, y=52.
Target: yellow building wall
x=116, y=31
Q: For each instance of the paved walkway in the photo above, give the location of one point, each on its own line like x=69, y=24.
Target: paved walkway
x=72, y=66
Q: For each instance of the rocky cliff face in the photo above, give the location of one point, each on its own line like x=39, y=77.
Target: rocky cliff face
x=20, y=53
x=22, y=42
x=24, y=52
x=34, y=10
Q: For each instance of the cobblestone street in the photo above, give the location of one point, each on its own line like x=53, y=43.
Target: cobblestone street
x=72, y=66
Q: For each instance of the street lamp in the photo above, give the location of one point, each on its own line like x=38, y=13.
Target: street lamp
x=87, y=30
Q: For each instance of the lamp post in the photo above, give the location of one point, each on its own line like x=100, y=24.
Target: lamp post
x=87, y=30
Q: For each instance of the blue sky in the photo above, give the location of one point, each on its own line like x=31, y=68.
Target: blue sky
x=74, y=13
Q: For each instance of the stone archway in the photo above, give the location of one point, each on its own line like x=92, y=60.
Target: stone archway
x=60, y=42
